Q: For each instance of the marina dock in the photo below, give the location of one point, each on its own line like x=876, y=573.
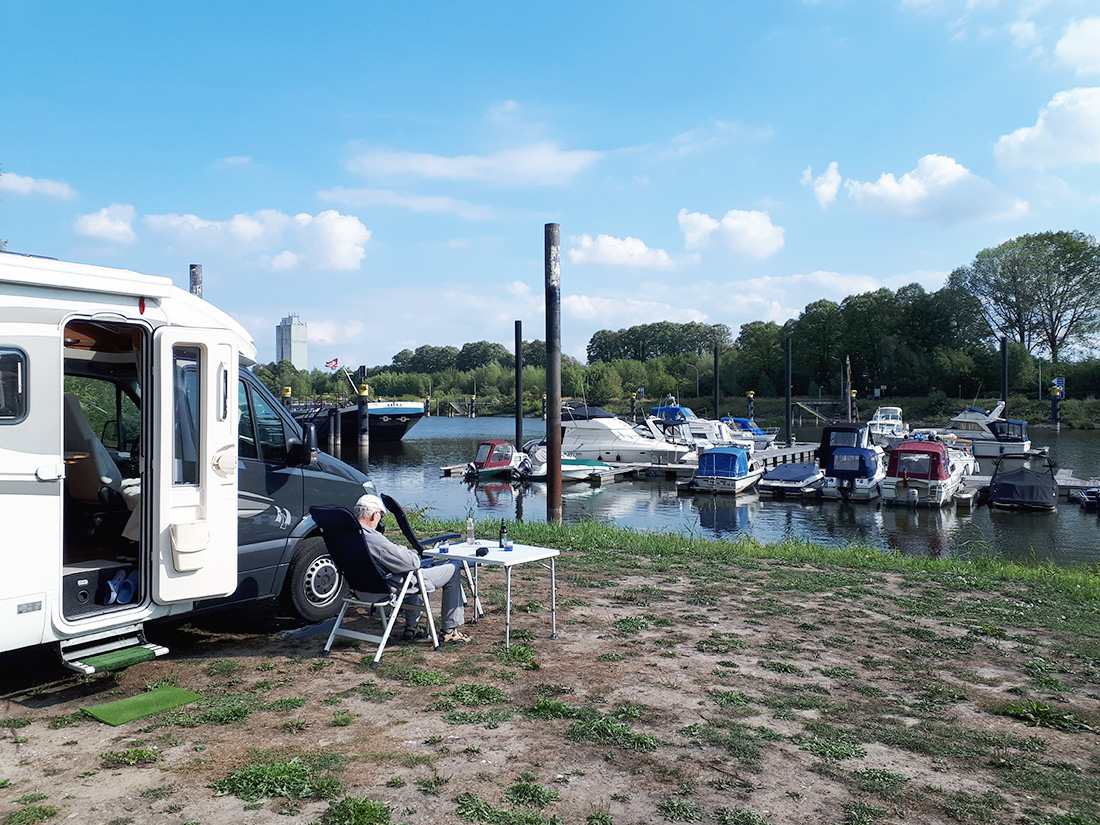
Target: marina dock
x=799, y=452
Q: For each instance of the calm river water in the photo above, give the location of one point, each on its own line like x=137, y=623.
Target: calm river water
x=410, y=472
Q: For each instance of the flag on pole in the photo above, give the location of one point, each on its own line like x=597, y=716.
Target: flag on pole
x=333, y=364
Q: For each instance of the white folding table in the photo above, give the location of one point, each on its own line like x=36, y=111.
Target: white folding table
x=507, y=558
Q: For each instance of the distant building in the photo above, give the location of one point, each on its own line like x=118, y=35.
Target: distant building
x=290, y=342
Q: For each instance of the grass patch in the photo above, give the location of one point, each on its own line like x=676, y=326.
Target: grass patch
x=531, y=795
x=1040, y=714
x=356, y=811
x=292, y=779
x=30, y=815
x=130, y=756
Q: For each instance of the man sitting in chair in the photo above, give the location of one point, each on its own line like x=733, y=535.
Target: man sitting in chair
x=395, y=561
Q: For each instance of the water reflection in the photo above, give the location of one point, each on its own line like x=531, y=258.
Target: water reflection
x=411, y=472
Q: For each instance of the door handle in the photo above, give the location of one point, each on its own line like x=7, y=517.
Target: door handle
x=224, y=461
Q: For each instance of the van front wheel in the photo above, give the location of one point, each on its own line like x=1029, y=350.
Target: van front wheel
x=314, y=586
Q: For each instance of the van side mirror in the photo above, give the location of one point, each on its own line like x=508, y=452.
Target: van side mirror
x=302, y=451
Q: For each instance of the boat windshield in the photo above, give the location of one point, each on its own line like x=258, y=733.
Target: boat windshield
x=503, y=452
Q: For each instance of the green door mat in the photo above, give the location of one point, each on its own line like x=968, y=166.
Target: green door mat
x=144, y=704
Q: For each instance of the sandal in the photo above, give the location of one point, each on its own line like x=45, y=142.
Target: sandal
x=411, y=634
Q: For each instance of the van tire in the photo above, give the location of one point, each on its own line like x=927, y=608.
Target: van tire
x=314, y=588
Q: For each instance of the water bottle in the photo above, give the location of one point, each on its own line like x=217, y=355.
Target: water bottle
x=503, y=533
x=470, y=530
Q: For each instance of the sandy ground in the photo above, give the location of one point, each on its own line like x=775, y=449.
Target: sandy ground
x=801, y=696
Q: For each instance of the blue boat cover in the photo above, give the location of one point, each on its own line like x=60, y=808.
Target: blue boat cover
x=744, y=425
x=724, y=462
x=852, y=462
x=1009, y=429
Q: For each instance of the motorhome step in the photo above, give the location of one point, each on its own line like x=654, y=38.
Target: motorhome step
x=108, y=650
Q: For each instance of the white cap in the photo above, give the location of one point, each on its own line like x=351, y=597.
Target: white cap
x=370, y=502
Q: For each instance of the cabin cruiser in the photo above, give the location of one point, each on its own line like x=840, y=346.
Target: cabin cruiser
x=594, y=433
x=854, y=466
x=705, y=432
x=723, y=470
x=494, y=459
x=887, y=428
x=533, y=467
x=924, y=472
x=989, y=434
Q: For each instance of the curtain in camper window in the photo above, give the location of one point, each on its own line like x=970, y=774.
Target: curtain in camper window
x=185, y=406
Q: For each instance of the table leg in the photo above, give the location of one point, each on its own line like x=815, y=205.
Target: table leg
x=553, y=600
x=479, y=611
x=508, y=608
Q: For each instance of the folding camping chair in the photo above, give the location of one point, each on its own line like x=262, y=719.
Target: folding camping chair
x=402, y=520
x=344, y=540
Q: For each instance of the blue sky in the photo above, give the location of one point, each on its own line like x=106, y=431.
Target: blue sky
x=385, y=171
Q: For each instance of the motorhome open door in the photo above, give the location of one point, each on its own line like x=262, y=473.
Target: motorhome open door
x=194, y=471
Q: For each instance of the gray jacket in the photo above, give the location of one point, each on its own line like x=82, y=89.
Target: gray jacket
x=393, y=560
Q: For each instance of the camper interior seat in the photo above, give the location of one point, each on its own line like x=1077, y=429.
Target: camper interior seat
x=93, y=482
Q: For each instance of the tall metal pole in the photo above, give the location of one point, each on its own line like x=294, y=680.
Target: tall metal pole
x=196, y=280
x=519, y=384
x=717, y=412
x=1004, y=369
x=553, y=372
x=790, y=410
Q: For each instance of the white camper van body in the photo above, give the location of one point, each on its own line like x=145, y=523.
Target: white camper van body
x=89, y=555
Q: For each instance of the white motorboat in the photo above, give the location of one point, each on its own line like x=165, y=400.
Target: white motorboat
x=854, y=466
x=762, y=437
x=594, y=433
x=723, y=470
x=795, y=479
x=572, y=468
x=887, y=427
x=682, y=424
x=924, y=472
x=989, y=434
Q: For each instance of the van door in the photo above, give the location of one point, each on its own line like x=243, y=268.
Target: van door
x=194, y=508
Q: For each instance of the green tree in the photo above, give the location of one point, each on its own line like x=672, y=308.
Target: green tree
x=1067, y=306
x=482, y=353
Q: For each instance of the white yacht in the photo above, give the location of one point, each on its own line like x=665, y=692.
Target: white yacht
x=989, y=434
x=680, y=423
x=887, y=428
x=594, y=433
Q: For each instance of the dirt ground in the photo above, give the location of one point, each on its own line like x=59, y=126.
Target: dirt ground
x=756, y=694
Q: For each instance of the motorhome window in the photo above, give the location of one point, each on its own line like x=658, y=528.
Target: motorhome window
x=269, y=429
x=246, y=439
x=13, y=386
x=185, y=414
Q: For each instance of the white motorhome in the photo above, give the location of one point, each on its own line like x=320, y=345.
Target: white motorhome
x=133, y=451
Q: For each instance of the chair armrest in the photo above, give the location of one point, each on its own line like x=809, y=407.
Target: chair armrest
x=441, y=537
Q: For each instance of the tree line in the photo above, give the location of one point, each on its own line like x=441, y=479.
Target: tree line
x=1041, y=292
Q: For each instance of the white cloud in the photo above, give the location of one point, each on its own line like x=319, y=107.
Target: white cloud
x=541, y=163
x=716, y=134
x=748, y=233
x=1066, y=132
x=414, y=203
x=23, y=185
x=1080, y=46
x=940, y=189
x=610, y=251
x=334, y=332
x=111, y=224
x=234, y=160
x=327, y=241
x=611, y=312
x=825, y=185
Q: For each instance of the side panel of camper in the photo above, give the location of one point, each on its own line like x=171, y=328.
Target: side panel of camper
x=32, y=471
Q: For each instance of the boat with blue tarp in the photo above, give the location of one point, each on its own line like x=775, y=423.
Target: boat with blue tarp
x=723, y=470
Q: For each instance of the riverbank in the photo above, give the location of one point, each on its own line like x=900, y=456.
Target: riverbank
x=692, y=681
